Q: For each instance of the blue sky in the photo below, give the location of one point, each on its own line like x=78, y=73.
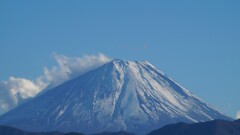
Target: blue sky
x=195, y=42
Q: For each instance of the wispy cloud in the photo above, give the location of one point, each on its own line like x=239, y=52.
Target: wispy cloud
x=16, y=90
x=70, y=67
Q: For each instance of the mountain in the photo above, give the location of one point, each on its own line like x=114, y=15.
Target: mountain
x=118, y=96
x=216, y=127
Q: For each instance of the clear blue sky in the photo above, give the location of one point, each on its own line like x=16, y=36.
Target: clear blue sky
x=195, y=42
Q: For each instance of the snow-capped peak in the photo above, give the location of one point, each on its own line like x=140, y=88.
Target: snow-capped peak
x=120, y=95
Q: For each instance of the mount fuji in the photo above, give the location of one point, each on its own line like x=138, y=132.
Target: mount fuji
x=118, y=96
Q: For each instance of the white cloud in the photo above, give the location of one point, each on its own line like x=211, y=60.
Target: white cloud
x=15, y=90
x=238, y=115
x=70, y=67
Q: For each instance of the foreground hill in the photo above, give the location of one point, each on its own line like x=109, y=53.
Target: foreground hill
x=5, y=130
x=216, y=127
x=121, y=95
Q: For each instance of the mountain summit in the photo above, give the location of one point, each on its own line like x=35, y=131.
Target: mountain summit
x=120, y=95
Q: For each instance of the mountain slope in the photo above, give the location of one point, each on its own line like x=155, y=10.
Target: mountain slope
x=216, y=127
x=120, y=95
